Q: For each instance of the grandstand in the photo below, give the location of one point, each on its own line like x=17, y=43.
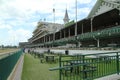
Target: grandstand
x=101, y=28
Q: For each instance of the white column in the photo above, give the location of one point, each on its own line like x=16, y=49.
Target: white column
x=91, y=24
x=98, y=43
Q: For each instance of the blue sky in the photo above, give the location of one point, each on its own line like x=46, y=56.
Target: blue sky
x=18, y=18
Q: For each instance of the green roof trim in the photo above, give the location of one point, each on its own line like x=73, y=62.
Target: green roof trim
x=69, y=23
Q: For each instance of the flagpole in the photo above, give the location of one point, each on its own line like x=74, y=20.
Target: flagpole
x=76, y=18
x=76, y=23
x=53, y=25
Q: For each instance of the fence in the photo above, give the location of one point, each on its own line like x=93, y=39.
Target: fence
x=7, y=64
x=88, y=67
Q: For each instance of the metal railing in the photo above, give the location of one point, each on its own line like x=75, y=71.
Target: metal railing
x=88, y=67
x=114, y=31
x=7, y=64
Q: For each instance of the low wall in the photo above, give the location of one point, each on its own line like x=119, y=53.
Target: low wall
x=7, y=64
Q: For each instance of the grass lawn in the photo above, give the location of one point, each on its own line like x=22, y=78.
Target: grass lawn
x=34, y=70
x=6, y=50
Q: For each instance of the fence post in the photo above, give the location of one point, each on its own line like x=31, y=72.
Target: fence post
x=60, y=66
x=117, y=62
x=84, y=73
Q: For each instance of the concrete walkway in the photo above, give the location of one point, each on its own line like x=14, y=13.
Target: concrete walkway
x=110, y=77
x=17, y=72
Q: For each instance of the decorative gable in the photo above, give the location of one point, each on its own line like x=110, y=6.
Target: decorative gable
x=102, y=6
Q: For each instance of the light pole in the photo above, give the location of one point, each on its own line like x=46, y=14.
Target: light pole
x=54, y=26
x=76, y=19
x=76, y=22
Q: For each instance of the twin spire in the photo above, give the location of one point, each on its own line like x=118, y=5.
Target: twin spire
x=66, y=17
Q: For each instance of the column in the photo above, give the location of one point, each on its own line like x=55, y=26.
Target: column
x=64, y=33
x=98, y=43
x=82, y=28
x=69, y=32
x=91, y=24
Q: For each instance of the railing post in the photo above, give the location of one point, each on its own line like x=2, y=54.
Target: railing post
x=117, y=62
x=84, y=73
x=60, y=66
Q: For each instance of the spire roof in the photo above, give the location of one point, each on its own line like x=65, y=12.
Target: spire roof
x=66, y=18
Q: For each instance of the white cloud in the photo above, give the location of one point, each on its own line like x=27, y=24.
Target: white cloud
x=19, y=15
x=84, y=1
x=19, y=35
x=23, y=9
x=3, y=25
x=84, y=11
x=15, y=36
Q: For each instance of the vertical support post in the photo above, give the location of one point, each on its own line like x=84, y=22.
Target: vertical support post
x=91, y=24
x=54, y=37
x=82, y=28
x=49, y=38
x=60, y=34
x=46, y=38
x=64, y=33
x=69, y=32
x=54, y=26
x=44, y=41
x=60, y=72
x=117, y=62
x=84, y=65
x=98, y=43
